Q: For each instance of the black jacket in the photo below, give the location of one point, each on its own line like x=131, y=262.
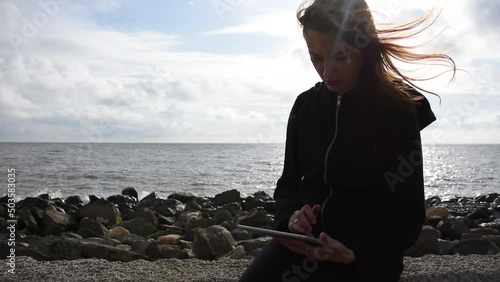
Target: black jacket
x=372, y=193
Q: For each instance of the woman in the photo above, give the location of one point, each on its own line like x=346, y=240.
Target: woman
x=353, y=166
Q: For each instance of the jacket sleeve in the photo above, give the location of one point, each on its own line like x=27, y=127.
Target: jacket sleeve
x=287, y=186
x=380, y=250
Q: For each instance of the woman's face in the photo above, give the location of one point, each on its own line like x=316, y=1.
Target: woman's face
x=338, y=65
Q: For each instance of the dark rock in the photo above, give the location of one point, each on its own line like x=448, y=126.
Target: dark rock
x=466, y=236
x=93, y=250
x=193, y=224
x=148, y=248
x=261, y=195
x=30, y=222
x=234, y=208
x=427, y=243
x=168, y=220
x=183, y=219
x=183, y=197
x=485, y=231
x=212, y=242
x=37, y=215
x=69, y=234
x=44, y=196
x=489, y=198
x=445, y=246
x=47, y=248
x=139, y=226
x=227, y=197
x=102, y=211
x=495, y=239
x=228, y=224
x=222, y=216
x=192, y=205
x=91, y=228
x=170, y=253
x=169, y=239
x=166, y=207
x=130, y=191
x=55, y=222
x=255, y=218
x=102, y=241
x=34, y=202
x=239, y=234
x=131, y=239
x=150, y=196
x=252, y=244
x=93, y=198
x=474, y=246
x=123, y=201
x=479, y=214
x=145, y=214
x=457, y=229
x=74, y=200
x=433, y=201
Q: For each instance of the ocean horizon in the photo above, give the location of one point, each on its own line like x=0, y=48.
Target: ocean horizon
x=63, y=169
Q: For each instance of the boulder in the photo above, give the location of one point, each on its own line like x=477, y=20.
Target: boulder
x=130, y=191
x=193, y=224
x=256, y=218
x=55, y=222
x=74, y=200
x=131, y=239
x=149, y=248
x=93, y=250
x=169, y=239
x=192, y=205
x=139, y=226
x=47, y=248
x=239, y=234
x=31, y=202
x=30, y=222
x=168, y=252
x=226, y=197
x=479, y=214
x=442, y=212
x=489, y=198
x=117, y=233
x=166, y=220
x=236, y=253
x=427, y=243
x=495, y=239
x=485, y=231
x=474, y=246
x=146, y=214
x=123, y=201
x=253, y=244
x=102, y=211
x=212, y=242
x=102, y=241
x=166, y=207
x=445, y=246
x=222, y=216
x=185, y=217
x=457, y=229
x=91, y=228
x=183, y=197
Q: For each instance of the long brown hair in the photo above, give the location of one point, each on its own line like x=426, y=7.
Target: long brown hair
x=351, y=21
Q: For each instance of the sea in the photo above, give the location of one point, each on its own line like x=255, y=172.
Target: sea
x=104, y=169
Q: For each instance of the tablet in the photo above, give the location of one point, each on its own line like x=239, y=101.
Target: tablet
x=275, y=233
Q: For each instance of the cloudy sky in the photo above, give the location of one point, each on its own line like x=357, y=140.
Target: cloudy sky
x=209, y=70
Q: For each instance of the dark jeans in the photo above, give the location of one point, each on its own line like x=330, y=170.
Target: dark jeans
x=276, y=263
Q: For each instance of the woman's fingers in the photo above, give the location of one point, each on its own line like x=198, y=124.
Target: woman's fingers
x=303, y=220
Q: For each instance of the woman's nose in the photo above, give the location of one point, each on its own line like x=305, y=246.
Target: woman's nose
x=329, y=67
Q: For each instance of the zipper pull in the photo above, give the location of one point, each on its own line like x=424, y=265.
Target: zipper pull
x=339, y=97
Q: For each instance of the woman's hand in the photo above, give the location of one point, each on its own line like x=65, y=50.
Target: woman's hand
x=302, y=220
x=330, y=249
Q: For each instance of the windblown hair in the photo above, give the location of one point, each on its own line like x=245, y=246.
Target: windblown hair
x=351, y=21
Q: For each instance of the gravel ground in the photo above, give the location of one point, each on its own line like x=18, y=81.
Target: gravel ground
x=428, y=268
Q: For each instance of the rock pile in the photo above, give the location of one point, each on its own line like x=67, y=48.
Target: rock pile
x=121, y=228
